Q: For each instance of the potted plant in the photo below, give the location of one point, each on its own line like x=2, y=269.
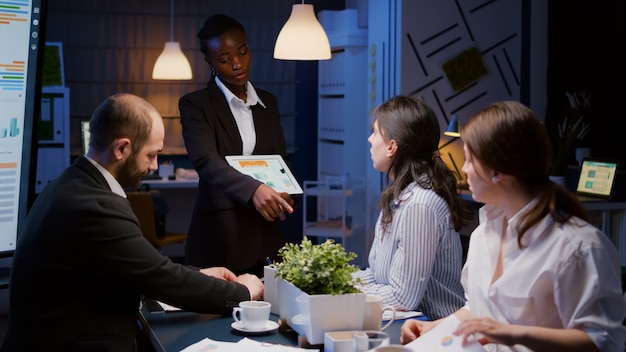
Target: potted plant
x=316, y=291
x=570, y=132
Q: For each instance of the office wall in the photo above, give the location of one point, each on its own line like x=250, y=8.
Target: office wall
x=111, y=46
x=410, y=41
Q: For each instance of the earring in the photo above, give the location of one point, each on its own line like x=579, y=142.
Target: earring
x=213, y=72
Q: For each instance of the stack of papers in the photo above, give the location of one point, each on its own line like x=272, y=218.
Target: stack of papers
x=167, y=308
x=400, y=315
x=244, y=344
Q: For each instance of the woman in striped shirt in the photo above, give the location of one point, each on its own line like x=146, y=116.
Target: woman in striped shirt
x=416, y=258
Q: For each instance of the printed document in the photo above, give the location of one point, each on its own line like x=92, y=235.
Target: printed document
x=440, y=339
x=245, y=344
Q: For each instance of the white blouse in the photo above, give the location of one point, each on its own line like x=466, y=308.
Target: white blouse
x=567, y=276
x=243, y=114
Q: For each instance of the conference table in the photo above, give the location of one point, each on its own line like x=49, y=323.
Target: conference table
x=174, y=331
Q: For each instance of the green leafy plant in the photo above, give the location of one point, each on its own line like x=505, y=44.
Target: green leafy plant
x=318, y=269
x=571, y=131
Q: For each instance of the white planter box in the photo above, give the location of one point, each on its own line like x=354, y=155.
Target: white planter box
x=270, y=294
x=313, y=315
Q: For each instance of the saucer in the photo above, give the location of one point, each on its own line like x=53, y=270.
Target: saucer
x=270, y=326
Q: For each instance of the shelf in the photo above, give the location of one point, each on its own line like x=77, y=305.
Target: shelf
x=326, y=229
x=53, y=137
x=327, y=191
x=173, y=151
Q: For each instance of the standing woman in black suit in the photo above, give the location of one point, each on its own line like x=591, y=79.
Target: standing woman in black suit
x=235, y=218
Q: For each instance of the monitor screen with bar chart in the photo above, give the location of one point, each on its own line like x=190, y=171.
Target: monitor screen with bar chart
x=21, y=25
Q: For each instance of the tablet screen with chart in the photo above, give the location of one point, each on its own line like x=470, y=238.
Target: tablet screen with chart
x=269, y=169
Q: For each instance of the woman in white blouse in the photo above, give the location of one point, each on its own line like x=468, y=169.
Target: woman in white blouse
x=538, y=276
x=416, y=258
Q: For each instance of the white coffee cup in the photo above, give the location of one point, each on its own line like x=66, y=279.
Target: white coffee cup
x=373, y=317
x=368, y=340
x=254, y=314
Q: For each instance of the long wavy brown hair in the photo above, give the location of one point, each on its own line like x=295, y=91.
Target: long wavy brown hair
x=414, y=126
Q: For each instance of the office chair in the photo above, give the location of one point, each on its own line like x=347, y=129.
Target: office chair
x=143, y=207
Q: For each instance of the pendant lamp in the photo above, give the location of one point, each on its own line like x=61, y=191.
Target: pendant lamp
x=172, y=63
x=302, y=37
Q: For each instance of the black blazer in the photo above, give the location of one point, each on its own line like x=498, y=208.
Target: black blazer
x=81, y=265
x=225, y=227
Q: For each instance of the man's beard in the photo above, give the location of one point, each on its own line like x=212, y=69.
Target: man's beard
x=128, y=175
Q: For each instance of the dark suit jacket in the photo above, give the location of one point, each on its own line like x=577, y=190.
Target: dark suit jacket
x=80, y=267
x=225, y=228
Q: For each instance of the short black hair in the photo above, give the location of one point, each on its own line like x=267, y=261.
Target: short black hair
x=214, y=26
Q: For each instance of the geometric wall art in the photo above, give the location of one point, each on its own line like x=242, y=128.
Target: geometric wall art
x=460, y=56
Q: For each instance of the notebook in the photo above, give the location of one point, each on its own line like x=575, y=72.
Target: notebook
x=155, y=306
x=597, y=179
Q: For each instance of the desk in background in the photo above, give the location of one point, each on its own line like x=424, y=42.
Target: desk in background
x=611, y=215
x=180, y=196
x=608, y=216
x=174, y=331
x=165, y=183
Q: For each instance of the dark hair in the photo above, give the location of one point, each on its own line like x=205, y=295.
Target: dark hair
x=414, y=126
x=121, y=115
x=215, y=26
x=507, y=137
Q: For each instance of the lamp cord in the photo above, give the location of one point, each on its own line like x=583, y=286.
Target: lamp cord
x=172, y=20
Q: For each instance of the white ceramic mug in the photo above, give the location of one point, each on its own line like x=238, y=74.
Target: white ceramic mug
x=254, y=314
x=368, y=340
x=373, y=317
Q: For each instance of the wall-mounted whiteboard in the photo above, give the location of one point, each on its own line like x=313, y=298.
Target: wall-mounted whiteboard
x=22, y=24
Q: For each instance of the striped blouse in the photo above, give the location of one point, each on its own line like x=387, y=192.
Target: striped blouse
x=416, y=264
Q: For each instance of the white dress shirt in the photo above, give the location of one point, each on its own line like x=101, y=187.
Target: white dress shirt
x=416, y=264
x=567, y=276
x=243, y=114
x=111, y=180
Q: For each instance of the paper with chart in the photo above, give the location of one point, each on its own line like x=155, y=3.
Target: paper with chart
x=441, y=339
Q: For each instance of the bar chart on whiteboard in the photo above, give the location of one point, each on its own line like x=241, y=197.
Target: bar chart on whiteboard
x=14, y=24
x=16, y=44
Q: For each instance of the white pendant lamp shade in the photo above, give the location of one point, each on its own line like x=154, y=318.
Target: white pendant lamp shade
x=172, y=63
x=302, y=37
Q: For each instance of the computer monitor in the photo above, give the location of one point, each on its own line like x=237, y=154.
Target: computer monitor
x=597, y=178
x=23, y=43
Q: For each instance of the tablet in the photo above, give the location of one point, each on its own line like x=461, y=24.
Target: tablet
x=269, y=169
